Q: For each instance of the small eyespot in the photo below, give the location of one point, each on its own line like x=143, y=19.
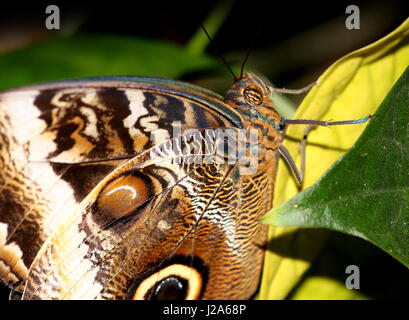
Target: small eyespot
x=175, y=282
x=121, y=196
x=253, y=95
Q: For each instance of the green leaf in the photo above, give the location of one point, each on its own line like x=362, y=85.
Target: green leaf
x=97, y=55
x=366, y=192
x=323, y=288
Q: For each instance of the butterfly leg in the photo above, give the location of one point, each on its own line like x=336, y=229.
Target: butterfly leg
x=298, y=174
x=303, y=148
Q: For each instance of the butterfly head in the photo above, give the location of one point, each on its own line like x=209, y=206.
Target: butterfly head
x=251, y=96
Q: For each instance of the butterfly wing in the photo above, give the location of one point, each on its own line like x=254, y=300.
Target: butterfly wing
x=77, y=155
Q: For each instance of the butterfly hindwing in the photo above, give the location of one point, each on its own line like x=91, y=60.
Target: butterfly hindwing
x=181, y=221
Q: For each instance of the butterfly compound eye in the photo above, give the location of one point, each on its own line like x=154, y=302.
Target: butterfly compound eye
x=122, y=196
x=175, y=282
x=253, y=95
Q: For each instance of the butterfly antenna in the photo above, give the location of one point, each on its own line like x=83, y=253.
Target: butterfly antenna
x=224, y=60
x=255, y=37
x=245, y=61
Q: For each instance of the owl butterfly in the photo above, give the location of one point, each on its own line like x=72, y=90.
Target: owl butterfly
x=102, y=196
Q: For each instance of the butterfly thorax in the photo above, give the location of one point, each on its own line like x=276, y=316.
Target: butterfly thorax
x=251, y=96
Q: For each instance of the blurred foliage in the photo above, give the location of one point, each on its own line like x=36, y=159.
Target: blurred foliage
x=97, y=55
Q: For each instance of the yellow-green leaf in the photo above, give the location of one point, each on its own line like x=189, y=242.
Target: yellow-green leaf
x=351, y=88
x=323, y=288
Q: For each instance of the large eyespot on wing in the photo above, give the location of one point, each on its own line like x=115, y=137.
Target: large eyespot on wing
x=175, y=282
x=182, y=277
x=121, y=196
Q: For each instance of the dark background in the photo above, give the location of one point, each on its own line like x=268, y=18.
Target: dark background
x=292, y=43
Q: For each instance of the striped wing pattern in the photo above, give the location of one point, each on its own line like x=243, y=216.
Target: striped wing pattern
x=99, y=200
